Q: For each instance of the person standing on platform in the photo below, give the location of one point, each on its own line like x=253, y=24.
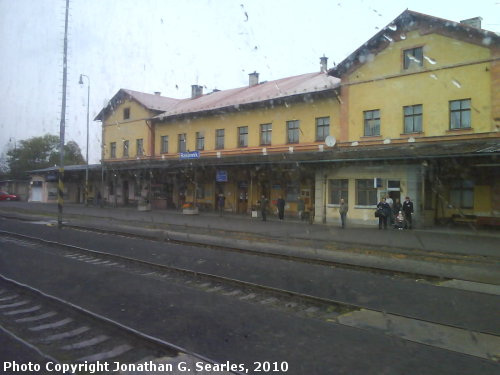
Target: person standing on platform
x=390, y=202
x=280, y=203
x=384, y=210
x=343, y=208
x=221, y=200
x=301, y=207
x=263, y=207
x=408, y=211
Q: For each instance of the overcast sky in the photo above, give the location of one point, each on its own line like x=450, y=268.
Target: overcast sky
x=168, y=45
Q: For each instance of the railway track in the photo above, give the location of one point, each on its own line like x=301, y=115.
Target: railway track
x=325, y=309
x=72, y=339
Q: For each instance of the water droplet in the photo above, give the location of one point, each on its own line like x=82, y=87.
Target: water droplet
x=487, y=41
x=414, y=59
x=393, y=27
x=388, y=38
x=433, y=76
x=456, y=83
x=402, y=36
x=430, y=60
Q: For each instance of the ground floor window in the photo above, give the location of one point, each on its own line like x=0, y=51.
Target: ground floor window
x=137, y=188
x=339, y=189
x=462, y=194
x=200, y=192
x=366, y=194
x=292, y=192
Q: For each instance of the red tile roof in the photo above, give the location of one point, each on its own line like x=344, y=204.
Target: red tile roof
x=152, y=102
x=265, y=91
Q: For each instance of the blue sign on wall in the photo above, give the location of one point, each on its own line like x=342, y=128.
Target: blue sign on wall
x=221, y=176
x=189, y=155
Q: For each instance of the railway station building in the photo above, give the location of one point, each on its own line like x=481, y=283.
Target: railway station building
x=414, y=111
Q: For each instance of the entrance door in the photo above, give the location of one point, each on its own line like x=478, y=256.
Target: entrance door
x=36, y=194
x=125, y=193
x=243, y=198
x=394, y=189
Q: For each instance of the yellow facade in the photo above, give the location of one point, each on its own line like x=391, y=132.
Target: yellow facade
x=452, y=70
x=117, y=129
x=277, y=116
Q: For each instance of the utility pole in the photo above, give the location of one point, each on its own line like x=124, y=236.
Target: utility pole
x=60, y=186
x=87, y=158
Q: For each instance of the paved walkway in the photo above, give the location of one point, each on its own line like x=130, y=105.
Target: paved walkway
x=461, y=240
x=358, y=245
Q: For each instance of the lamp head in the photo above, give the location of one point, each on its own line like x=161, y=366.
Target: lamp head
x=80, y=82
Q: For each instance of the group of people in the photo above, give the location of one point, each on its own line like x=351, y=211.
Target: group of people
x=264, y=206
x=388, y=212
x=396, y=214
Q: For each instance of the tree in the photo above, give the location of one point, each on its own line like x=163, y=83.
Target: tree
x=41, y=152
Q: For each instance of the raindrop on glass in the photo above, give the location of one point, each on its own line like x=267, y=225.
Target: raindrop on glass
x=430, y=60
x=487, y=41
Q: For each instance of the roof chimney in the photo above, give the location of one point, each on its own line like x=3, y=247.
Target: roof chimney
x=473, y=22
x=253, y=79
x=157, y=93
x=196, y=91
x=323, y=62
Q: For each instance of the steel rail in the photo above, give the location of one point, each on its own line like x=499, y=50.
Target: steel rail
x=169, y=347
x=340, y=305
x=295, y=258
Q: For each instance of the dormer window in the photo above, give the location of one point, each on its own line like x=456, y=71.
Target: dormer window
x=126, y=113
x=413, y=57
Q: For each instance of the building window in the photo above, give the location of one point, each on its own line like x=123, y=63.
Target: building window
x=126, y=113
x=265, y=134
x=139, y=146
x=181, y=144
x=462, y=194
x=200, y=141
x=243, y=136
x=112, y=147
x=460, y=114
x=366, y=194
x=338, y=190
x=372, y=122
x=292, y=192
x=292, y=129
x=412, y=118
x=137, y=188
x=125, y=149
x=322, y=128
x=413, y=57
x=164, y=144
x=219, y=139
x=200, y=191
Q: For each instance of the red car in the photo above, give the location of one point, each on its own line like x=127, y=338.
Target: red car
x=4, y=196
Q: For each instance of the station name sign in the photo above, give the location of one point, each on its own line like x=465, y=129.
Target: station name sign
x=189, y=155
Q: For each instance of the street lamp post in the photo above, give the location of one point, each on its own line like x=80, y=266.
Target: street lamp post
x=87, y=153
